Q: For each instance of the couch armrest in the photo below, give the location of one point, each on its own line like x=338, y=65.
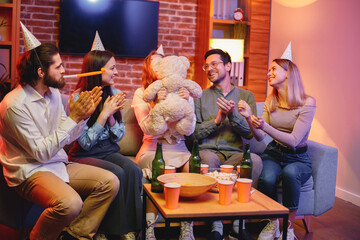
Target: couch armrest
x=131, y=143
x=324, y=163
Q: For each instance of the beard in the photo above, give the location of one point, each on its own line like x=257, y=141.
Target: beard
x=52, y=82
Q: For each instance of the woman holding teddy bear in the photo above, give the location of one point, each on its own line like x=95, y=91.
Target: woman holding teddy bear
x=175, y=152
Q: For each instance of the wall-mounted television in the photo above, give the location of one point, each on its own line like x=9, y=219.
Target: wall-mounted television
x=128, y=28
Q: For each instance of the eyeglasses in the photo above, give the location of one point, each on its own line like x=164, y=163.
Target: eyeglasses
x=212, y=64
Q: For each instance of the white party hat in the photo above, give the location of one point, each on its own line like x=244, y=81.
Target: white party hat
x=30, y=40
x=287, y=53
x=97, y=44
x=160, y=50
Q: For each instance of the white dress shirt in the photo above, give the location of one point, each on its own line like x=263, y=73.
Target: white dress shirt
x=34, y=129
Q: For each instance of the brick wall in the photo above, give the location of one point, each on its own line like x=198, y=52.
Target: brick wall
x=177, y=26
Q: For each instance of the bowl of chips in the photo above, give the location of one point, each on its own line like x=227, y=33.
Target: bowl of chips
x=218, y=175
x=192, y=184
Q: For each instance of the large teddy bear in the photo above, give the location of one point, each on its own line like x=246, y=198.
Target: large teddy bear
x=174, y=112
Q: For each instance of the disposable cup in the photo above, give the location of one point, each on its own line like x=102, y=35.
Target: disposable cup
x=204, y=168
x=172, y=192
x=225, y=191
x=243, y=189
x=238, y=170
x=169, y=169
x=226, y=168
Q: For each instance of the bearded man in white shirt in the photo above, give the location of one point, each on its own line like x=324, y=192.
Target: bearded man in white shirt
x=34, y=128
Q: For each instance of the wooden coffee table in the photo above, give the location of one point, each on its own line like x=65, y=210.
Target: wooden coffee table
x=207, y=207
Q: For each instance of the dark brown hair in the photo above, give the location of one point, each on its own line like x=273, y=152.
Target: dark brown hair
x=94, y=61
x=30, y=61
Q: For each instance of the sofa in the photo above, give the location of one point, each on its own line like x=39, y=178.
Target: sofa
x=317, y=195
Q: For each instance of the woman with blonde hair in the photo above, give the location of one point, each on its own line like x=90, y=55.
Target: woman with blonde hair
x=287, y=118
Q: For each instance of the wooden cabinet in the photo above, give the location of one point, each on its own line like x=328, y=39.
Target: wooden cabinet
x=9, y=31
x=257, y=20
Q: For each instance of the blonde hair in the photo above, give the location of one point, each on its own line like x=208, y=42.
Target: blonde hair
x=295, y=92
x=148, y=74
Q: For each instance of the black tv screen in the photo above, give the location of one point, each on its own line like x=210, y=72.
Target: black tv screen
x=128, y=28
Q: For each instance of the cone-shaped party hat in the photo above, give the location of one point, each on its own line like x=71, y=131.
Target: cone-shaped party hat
x=30, y=40
x=97, y=44
x=287, y=53
x=160, y=50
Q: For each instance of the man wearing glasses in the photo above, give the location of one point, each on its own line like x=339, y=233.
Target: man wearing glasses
x=219, y=126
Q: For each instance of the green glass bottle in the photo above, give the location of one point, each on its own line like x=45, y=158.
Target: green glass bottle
x=195, y=160
x=246, y=164
x=158, y=168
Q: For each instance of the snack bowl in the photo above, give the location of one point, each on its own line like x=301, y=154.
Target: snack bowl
x=192, y=184
x=218, y=175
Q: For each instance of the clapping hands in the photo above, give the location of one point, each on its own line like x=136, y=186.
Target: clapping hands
x=257, y=122
x=245, y=111
x=225, y=107
x=85, y=105
x=113, y=104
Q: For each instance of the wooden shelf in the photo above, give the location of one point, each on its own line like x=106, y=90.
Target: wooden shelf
x=6, y=5
x=9, y=43
x=228, y=22
x=10, y=35
x=256, y=48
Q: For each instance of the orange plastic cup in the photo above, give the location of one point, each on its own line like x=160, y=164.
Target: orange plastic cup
x=225, y=191
x=169, y=169
x=172, y=192
x=238, y=170
x=226, y=168
x=243, y=189
x=204, y=168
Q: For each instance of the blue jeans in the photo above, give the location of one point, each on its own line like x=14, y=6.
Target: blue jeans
x=293, y=169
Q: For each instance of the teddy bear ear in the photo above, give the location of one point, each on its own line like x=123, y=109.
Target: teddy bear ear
x=185, y=61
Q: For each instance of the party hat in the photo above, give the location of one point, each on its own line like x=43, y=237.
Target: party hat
x=160, y=50
x=30, y=40
x=287, y=53
x=97, y=44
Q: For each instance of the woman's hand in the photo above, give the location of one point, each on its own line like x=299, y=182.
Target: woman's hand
x=184, y=93
x=162, y=94
x=257, y=122
x=113, y=104
x=244, y=109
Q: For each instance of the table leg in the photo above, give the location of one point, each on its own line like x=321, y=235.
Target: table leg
x=167, y=228
x=285, y=226
x=144, y=216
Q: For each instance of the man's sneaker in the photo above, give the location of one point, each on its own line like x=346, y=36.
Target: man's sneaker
x=186, y=231
x=290, y=235
x=128, y=236
x=150, y=234
x=100, y=236
x=270, y=231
